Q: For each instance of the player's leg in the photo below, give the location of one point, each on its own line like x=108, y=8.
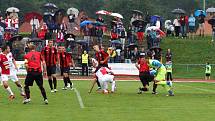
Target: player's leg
x=68, y=80
x=29, y=80
x=54, y=78
x=15, y=79
x=50, y=78
x=4, y=79
x=39, y=81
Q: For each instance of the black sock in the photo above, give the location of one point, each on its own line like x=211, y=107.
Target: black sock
x=55, y=82
x=43, y=92
x=50, y=83
x=69, y=81
x=154, y=87
x=27, y=92
x=65, y=81
x=97, y=81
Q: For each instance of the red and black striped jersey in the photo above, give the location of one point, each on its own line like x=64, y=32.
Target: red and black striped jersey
x=101, y=55
x=65, y=59
x=50, y=55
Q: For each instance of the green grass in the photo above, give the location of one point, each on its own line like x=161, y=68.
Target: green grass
x=189, y=51
x=192, y=101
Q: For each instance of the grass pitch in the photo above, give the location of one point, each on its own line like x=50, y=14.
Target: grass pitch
x=193, y=101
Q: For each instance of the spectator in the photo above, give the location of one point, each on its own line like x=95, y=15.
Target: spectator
x=192, y=24
x=213, y=29
x=100, y=19
x=149, y=39
x=143, y=52
x=118, y=56
x=183, y=26
x=84, y=62
x=60, y=37
x=169, y=27
x=112, y=54
x=201, y=24
x=127, y=55
x=35, y=24
x=177, y=26
x=71, y=18
x=123, y=35
x=135, y=55
x=168, y=55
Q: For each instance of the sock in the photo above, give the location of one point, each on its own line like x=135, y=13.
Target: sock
x=69, y=81
x=27, y=92
x=105, y=85
x=154, y=87
x=65, y=81
x=50, y=84
x=170, y=92
x=43, y=92
x=9, y=91
x=99, y=85
x=113, y=86
x=21, y=89
x=55, y=82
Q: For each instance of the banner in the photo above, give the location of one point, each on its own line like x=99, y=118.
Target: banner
x=124, y=68
x=21, y=68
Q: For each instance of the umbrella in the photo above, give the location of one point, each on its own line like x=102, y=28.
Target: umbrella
x=97, y=23
x=139, y=22
x=211, y=21
x=3, y=25
x=132, y=46
x=152, y=28
x=81, y=42
x=103, y=12
x=50, y=6
x=137, y=11
x=30, y=15
x=73, y=11
x=210, y=10
x=115, y=42
x=155, y=47
x=178, y=11
x=35, y=40
x=15, y=38
x=199, y=12
x=69, y=36
x=60, y=11
x=116, y=15
x=86, y=22
x=12, y=9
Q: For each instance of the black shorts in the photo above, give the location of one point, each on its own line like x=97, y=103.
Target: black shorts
x=145, y=77
x=51, y=70
x=207, y=74
x=65, y=70
x=34, y=76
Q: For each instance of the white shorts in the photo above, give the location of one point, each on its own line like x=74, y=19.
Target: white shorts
x=12, y=77
x=107, y=78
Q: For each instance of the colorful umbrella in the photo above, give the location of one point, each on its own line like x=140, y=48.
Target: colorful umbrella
x=86, y=22
x=12, y=9
x=103, y=12
x=31, y=15
x=199, y=12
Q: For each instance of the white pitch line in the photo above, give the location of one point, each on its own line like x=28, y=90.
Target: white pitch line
x=79, y=98
x=197, y=88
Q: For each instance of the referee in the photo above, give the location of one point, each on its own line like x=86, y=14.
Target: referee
x=50, y=56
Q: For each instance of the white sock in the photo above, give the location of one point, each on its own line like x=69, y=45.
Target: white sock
x=9, y=91
x=113, y=86
x=105, y=85
x=21, y=90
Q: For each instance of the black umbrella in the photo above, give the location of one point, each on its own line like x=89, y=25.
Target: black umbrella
x=50, y=6
x=178, y=11
x=211, y=21
x=137, y=11
x=16, y=38
x=115, y=42
x=60, y=11
x=36, y=40
x=155, y=48
x=139, y=22
x=81, y=42
x=69, y=36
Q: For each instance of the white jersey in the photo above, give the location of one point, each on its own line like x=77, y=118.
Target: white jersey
x=101, y=72
x=10, y=60
x=94, y=61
